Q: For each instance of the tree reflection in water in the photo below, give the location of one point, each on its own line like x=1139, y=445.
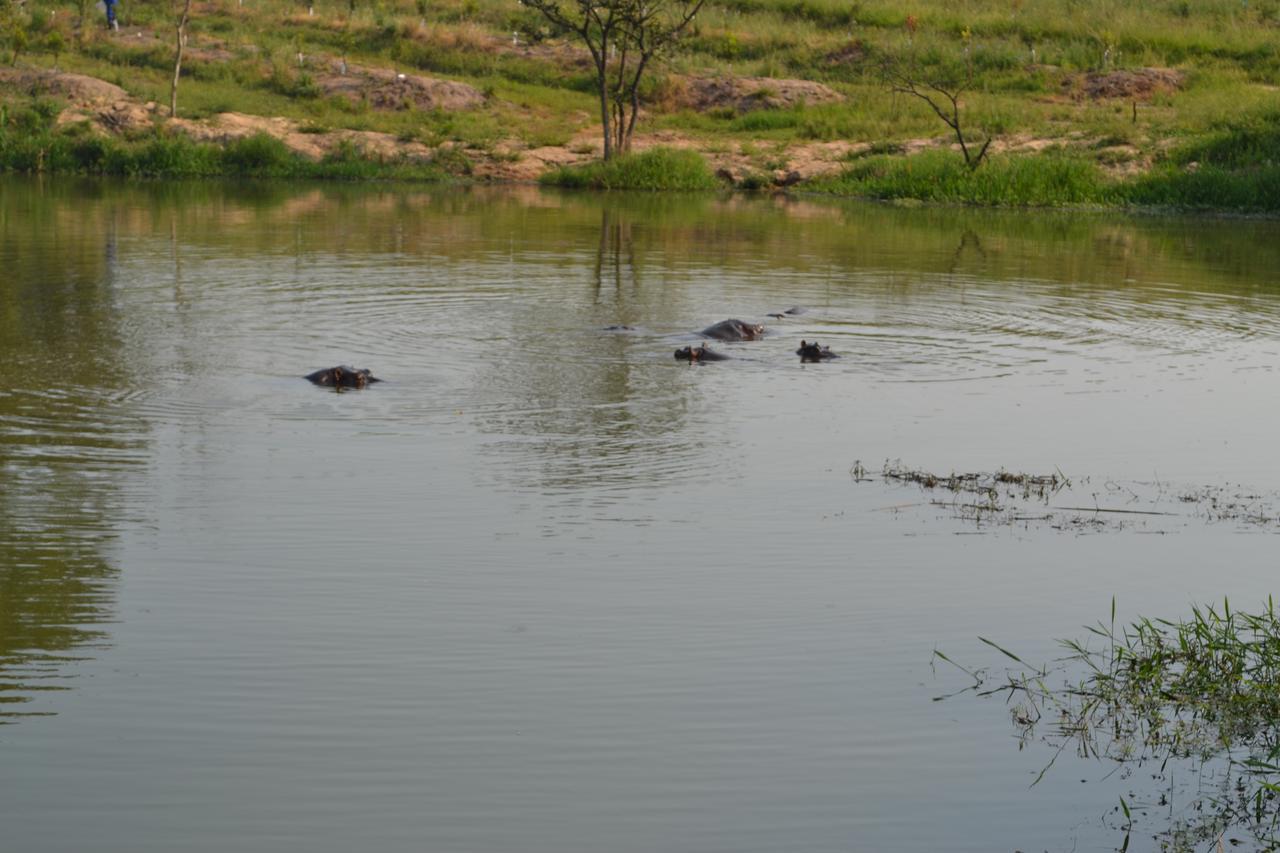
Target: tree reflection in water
x=589, y=406
x=65, y=447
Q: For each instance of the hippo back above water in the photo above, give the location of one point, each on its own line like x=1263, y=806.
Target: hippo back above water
x=342, y=376
x=733, y=330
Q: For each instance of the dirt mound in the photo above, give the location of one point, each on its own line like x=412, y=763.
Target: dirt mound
x=121, y=117
x=744, y=94
x=104, y=105
x=1139, y=83
x=78, y=89
x=384, y=89
x=227, y=127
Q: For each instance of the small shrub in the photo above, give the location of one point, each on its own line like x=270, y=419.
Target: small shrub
x=175, y=156
x=452, y=161
x=259, y=154
x=90, y=154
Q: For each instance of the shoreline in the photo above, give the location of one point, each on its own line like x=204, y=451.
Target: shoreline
x=76, y=124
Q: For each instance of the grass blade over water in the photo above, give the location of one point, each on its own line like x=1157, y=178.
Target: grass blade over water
x=1201, y=692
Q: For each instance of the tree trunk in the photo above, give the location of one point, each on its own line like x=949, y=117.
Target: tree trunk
x=177, y=60
x=634, y=96
x=604, y=106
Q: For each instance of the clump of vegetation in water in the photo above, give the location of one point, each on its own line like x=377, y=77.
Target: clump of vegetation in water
x=1203, y=691
x=984, y=484
x=655, y=169
x=1078, y=505
x=1000, y=497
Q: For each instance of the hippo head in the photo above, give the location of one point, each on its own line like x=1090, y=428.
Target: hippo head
x=342, y=376
x=813, y=352
x=690, y=353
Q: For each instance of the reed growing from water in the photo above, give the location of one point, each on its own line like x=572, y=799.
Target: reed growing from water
x=1203, y=690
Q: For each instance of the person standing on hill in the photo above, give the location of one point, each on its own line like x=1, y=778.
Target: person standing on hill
x=112, y=23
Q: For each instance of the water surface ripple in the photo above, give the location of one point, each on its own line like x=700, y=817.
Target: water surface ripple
x=547, y=588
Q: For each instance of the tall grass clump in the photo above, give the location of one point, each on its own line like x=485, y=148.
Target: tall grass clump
x=1234, y=167
x=1192, y=700
x=1042, y=180
x=1243, y=143
x=161, y=156
x=655, y=169
x=1208, y=188
x=259, y=154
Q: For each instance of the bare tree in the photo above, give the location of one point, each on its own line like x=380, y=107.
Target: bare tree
x=624, y=37
x=177, y=59
x=942, y=94
x=651, y=27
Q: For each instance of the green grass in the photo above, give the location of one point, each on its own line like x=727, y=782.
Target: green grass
x=1209, y=188
x=655, y=169
x=1024, y=58
x=28, y=149
x=1196, y=697
x=1044, y=180
x=1060, y=180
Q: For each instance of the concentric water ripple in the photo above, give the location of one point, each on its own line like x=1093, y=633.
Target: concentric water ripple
x=546, y=587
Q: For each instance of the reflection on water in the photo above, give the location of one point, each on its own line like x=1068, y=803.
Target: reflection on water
x=584, y=405
x=64, y=445
x=545, y=587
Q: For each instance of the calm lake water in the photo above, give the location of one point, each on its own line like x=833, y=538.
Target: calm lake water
x=547, y=588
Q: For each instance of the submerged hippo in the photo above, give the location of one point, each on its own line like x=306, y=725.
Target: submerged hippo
x=699, y=353
x=813, y=352
x=792, y=311
x=342, y=376
x=733, y=330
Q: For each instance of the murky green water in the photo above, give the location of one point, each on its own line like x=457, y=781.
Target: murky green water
x=546, y=588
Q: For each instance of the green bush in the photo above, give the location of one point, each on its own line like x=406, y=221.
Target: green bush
x=259, y=154
x=173, y=156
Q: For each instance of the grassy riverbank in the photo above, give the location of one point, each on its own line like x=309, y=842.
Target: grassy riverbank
x=1086, y=101
x=41, y=149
